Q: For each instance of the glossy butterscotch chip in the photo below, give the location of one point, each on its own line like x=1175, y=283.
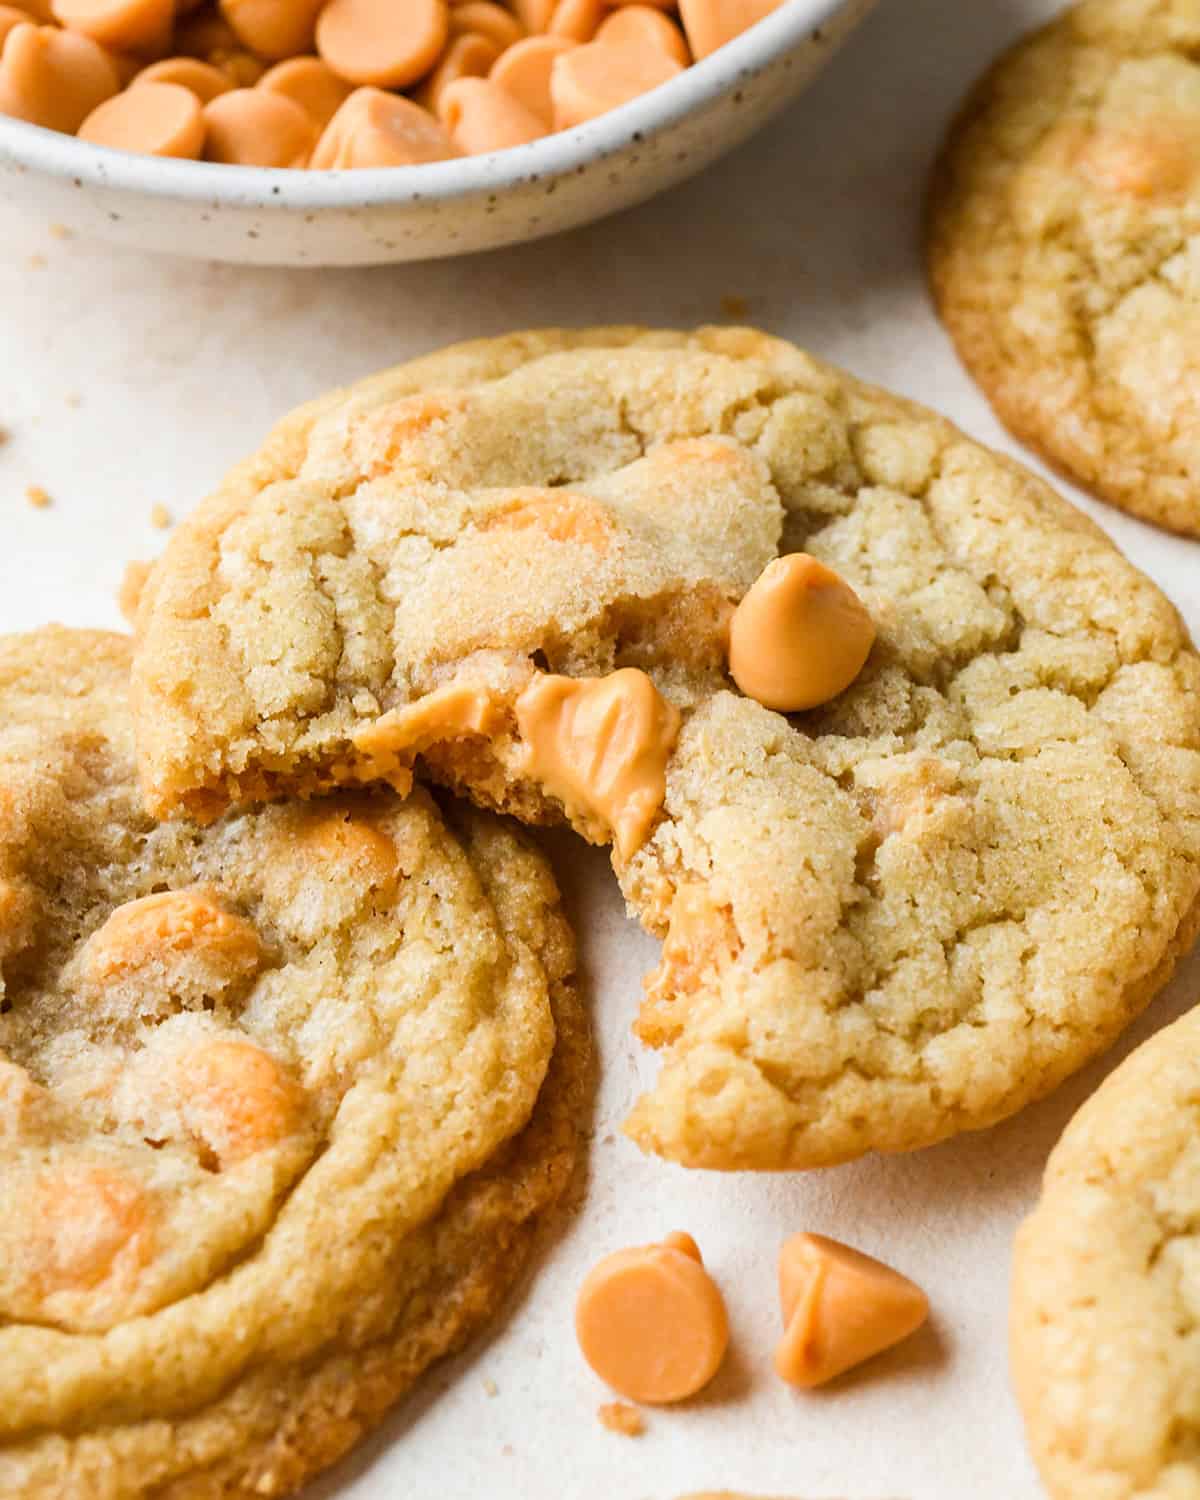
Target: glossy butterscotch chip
x=310, y=83
x=800, y=636
x=158, y=119
x=387, y=43
x=201, y=78
x=592, y=79
x=139, y=26
x=558, y=514
x=168, y=927
x=377, y=129
x=88, y=1224
x=257, y=128
x=273, y=29
x=10, y=17
x=709, y=24
x=577, y=20
x=600, y=746
x=524, y=71
x=54, y=78
x=644, y=26
x=840, y=1307
x=482, y=117
x=651, y=1321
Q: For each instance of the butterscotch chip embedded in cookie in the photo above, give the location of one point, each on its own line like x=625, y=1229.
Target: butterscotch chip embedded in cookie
x=512, y=567
x=1102, y=1319
x=1062, y=248
x=281, y=1102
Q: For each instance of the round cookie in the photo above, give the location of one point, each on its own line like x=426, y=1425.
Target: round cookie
x=891, y=918
x=284, y=1097
x=1105, y=1289
x=1063, y=249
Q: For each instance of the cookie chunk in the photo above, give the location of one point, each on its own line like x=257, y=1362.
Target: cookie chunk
x=281, y=1101
x=512, y=567
x=1104, y=1293
x=1063, y=249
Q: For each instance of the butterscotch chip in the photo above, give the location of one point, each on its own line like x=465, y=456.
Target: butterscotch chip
x=388, y=43
x=201, y=78
x=1061, y=254
x=138, y=26
x=157, y=119
x=484, y=18
x=590, y=80
x=711, y=23
x=280, y=1102
x=481, y=116
x=1101, y=1328
x=310, y=83
x=54, y=78
x=524, y=71
x=644, y=26
x=377, y=129
x=895, y=916
x=258, y=128
x=469, y=55
x=273, y=29
x=840, y=1307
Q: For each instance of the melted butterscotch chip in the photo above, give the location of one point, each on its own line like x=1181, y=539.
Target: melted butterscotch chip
x=89, y=1224
x=173, y=946
x=1151, y=160
x=393, y=742
x=600, y=746
x=236, y=1099
x=561, y=516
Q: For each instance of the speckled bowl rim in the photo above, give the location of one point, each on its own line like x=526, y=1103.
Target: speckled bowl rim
x=557, y=155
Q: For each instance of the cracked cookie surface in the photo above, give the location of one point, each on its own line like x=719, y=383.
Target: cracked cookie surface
x=898, y=916
x=1105, y=1328
x=282, y=1098
x=1064, y=249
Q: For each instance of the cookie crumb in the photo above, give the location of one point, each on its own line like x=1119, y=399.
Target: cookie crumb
x=160, y=517
x=619, y=1416
x=73, y=398
x=733, y=306
x=37, y=496
x=490, y=1388
x=507, y=1451
x=132, y=584
x=60, y=232
x=37, y=262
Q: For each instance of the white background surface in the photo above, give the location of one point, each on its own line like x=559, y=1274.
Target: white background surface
x=127, y=381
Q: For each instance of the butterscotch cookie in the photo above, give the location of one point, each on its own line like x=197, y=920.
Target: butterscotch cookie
x=280, y=1100
x=1063, y=248
x=1104, y=1294
x=513, y=565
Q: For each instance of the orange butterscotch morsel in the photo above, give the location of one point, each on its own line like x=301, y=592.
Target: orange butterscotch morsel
x=88, y=1224
x=709, y=24
x=236, y=1099
x=310, y=83
x=644, y=26
x=158, y=119
x=524, y=71
x=483, y=18
x=378, y=129
x=452, y=712
x=800, y=636
x=840, y=1307
x=273, y=29
x=355, y=848
x=205, y=81
x=592, y=79
x=387, y=43
x=54, y=78
x=255, y=128
x=1154, y=161
x=482, y=117
x=557, y=514
x=577, y=20
x=651, y=1321
x=468, y=56
x=169, y=926
x=600, y=745
x=142, y=26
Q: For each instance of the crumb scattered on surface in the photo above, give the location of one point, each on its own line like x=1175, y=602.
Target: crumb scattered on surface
x=490, y=1388
x=60, y=232
x=136, y=573
x=619, y=1416
x=160, y=516
x=507, y=1451
x=733, y=306
x=73, y=398
x=37, y=262
x=37, y=496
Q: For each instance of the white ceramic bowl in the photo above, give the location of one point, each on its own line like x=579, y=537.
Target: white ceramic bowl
x=255, y=214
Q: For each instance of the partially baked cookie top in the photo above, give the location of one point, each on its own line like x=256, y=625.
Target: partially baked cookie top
x=896, y=916
x=241, y=1070
x=1064, y=247
x=1104, y=1325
